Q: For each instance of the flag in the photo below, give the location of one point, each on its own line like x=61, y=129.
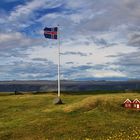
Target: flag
x=50, y=33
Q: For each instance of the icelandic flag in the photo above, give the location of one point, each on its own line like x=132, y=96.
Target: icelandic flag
x=50, y=33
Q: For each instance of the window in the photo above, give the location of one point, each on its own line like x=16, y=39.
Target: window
x=135, y=105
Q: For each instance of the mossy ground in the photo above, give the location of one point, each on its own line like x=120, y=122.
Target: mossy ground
x=81, y=117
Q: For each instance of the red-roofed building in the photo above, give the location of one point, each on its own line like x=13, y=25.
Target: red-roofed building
x=128, y=104
x=136, y=104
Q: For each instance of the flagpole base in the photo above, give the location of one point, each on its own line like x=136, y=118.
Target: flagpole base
x=57, y=101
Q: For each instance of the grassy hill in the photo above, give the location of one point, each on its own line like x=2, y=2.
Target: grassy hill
x=81, y=117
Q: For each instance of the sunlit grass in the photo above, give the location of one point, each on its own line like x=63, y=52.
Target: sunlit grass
x=81, y=117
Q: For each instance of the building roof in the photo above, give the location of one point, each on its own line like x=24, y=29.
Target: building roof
x=127, y=101
x=136, y=101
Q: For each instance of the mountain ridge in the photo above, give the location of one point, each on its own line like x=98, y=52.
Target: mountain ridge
x=68, y=85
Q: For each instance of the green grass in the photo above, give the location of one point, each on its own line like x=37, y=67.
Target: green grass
x=81, y=117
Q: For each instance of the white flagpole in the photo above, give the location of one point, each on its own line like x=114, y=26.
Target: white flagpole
x=58, y=63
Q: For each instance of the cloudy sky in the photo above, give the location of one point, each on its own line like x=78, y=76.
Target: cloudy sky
x=100, y=39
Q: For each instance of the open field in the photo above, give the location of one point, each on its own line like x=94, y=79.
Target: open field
x=81, y=117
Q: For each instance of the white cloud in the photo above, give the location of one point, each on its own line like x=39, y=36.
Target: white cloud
x=4, y=37
x=96, y=28
x=95, y=56
x=22, y=11
x=17, y=39
x=24, y=15
x=108, y=73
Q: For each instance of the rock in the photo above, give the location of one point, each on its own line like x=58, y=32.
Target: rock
x=57, y=101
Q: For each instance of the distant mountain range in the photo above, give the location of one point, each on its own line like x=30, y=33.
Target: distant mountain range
x=50, y=86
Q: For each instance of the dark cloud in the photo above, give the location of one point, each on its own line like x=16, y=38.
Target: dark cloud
x=134, y=40
x=129, y=64
x=75, y=53
x=13, y=52
x=89, y=63
x=69, y=62
x=112, y=14
x=31, y=67
x=101, y=42
x=40, y=59
x=17, y=39
x=27, y=70
x=117, y=55
x=132, y=59
x=83, y=69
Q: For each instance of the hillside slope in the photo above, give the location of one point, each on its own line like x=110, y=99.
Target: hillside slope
x=86, y=117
